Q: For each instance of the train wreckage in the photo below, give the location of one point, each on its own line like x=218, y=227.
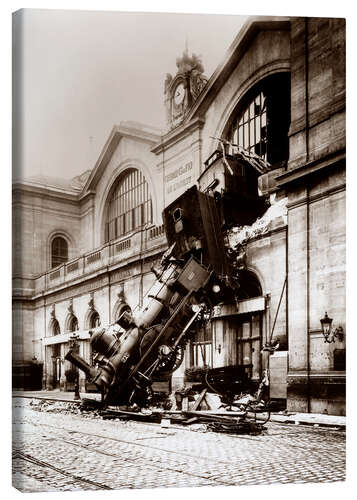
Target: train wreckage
x=200, y=269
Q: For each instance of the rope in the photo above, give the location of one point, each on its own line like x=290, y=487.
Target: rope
x=277, y=311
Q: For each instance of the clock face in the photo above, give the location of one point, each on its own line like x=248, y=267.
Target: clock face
x=179, y=94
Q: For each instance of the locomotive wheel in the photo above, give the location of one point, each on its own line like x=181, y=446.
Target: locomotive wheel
x=164, y=356
x=169, y=359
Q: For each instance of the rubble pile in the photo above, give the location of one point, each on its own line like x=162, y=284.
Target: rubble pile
x=198, y=411
x=46, y=406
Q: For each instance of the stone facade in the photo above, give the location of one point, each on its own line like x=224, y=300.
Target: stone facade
x=298, y=261
x=315, y=182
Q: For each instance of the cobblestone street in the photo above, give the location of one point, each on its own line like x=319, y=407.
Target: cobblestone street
x=60, y=452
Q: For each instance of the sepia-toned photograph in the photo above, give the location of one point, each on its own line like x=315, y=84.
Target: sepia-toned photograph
x=178, y=249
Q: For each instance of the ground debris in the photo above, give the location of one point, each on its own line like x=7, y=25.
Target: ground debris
x=66, y=408
x=244, y=427
x=203, y=412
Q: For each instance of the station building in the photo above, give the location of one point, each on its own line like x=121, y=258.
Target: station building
x=84, y=248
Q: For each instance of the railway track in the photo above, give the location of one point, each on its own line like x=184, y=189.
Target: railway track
x=103, y=461
x=149, y=464
x=144, y=445
x=18, y=455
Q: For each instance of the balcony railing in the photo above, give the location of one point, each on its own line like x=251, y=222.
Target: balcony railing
x=121, y=250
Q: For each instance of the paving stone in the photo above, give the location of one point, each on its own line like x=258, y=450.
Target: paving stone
x=130, y=455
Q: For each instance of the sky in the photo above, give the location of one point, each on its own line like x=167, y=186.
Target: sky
x=83, y=72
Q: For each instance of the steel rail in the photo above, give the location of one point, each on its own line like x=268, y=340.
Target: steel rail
x=18, y=455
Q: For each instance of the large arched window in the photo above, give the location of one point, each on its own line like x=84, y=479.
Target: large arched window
x=260, y=123
x=59, y=251
x=129, y=206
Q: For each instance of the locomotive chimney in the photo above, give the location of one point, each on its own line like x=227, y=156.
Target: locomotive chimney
x=80, y=363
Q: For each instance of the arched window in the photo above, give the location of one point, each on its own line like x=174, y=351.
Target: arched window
x=249, y=286
x=94, y=320
x=260, y=123
x=55, y=327
x=129, y=206
x=119, y=309
x=59, y=251
x=73, y=324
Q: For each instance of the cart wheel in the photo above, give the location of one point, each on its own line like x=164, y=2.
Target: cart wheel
x=258, y=413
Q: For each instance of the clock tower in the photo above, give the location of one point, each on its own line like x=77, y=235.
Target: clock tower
x=182, y=90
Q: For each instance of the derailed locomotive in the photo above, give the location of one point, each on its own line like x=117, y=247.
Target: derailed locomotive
x=194, y=274
x=150, y=343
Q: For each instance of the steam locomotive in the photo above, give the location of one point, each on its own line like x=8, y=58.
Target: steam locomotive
x=194, y=274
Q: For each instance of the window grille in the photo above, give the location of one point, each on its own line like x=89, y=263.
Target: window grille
x=260, y=123
x=249, y=131
x=130, y=205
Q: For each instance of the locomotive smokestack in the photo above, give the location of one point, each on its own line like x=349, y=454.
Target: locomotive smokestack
x=80, y=363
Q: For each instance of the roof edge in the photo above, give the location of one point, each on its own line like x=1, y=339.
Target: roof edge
x=246, y=34
x=132, y=130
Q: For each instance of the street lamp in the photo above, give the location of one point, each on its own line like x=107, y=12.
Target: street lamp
x=74, y=346
x=326, y=324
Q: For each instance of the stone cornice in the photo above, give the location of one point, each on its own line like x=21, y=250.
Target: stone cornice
x=129, y=130
x=177, y=134
x=32, y=190
x=297, y=174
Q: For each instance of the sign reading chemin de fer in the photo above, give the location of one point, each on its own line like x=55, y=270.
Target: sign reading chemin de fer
x=180, y=178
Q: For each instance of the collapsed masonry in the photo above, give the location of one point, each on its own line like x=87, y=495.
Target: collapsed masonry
x=238, y=236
